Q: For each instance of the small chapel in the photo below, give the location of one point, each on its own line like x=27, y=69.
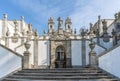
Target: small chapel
x=61, y=53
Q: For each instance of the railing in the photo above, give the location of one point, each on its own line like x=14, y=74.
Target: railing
x=10, y=61
x=109, y=60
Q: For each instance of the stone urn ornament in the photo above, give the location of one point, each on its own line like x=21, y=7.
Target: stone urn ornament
x=92, y=45
x=27, y=45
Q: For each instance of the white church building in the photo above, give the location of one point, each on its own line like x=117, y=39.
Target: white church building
x=21, y=47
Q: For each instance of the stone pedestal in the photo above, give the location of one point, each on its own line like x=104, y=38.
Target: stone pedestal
x=7, y=42
x=25, y=60
x=92, y=59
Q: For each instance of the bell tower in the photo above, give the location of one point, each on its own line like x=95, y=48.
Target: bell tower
x=50, y=25
x=68, y=25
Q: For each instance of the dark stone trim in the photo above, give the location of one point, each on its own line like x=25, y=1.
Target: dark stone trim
x=83, y=49
x=105, y=52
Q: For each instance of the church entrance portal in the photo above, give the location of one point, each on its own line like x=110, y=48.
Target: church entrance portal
x=60, y=61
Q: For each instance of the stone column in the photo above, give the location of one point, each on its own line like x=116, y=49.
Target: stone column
x=26, y=57
x=68, y=54
x=83, y=51
x=22, y=24
x=92, y=55
x=35, y=53
x=7, y=38
x=83, y=47
x=4, y=26
x=36, y=49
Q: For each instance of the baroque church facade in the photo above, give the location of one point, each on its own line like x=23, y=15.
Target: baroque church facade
x=61, y=48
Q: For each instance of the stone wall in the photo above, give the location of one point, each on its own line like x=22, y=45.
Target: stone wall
x=10, y=61
x=109, y=61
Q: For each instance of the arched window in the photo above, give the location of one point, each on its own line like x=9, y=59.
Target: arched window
x=50, y=26
x=60, y=53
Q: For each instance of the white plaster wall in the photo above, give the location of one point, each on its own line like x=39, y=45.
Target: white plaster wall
x=13, y=45
x=11, y=27
x=110, y=62
x=43, y=53
x=31, y=49
x=9, y=62
x=76, y=53
x=21, y=49
x=97, y=49
x=0, y=28
x=106, y=44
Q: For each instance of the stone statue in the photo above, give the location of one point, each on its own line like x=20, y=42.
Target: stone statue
x=60, y=22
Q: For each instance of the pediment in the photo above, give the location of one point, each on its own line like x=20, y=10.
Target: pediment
x=59, y=35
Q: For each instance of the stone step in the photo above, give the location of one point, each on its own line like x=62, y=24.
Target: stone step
x=64, y=69
x=61, y=74
x=59, y=77
x=13, y=79
x=74, y=74
x=61, y=71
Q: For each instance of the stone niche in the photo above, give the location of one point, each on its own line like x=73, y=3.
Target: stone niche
x=66, y=44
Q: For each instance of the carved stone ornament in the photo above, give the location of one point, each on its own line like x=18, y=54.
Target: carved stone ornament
x=57, y=36
x=15, y=38
x=27, y=45
x=92, y=45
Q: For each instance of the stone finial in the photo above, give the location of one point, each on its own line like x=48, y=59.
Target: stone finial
x=82, y=32
x=36, y=33
x=44, y=36
x=99, y=17
x=51, y=21
x=27, y=46
x=30, y=27
x=50, y=25
x=92, y=45
x=91, y=31
x=22, y=18
x=60, y=22
x=68, y=20
x=117, y=15
x=5, y=16
x=44, y=32
x=104, y=26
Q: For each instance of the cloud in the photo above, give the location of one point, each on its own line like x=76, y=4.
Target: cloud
x=82, y=12
x=89, y=11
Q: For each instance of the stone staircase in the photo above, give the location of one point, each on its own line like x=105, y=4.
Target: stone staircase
x=66, y=74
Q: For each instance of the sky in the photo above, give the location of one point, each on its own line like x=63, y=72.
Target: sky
x=37, y=12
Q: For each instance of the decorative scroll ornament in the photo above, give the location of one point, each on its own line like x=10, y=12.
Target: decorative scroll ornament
x=15, y=35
